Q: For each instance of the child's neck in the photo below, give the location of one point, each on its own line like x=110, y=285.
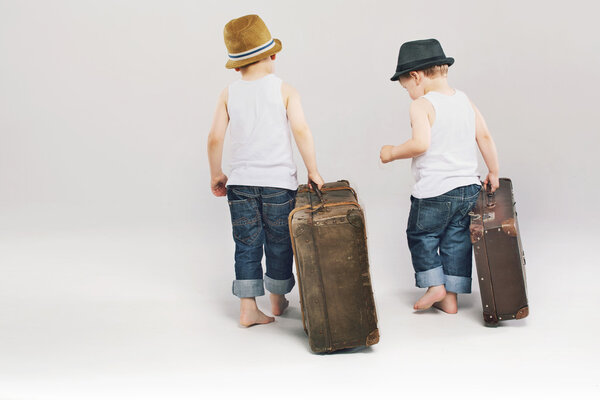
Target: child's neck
x=438, y=84
x=258, y=70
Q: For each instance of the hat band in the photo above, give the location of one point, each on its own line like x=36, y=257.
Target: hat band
x=418, y=63
x=252, y=52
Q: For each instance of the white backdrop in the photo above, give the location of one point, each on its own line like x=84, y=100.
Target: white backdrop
x=104, y=184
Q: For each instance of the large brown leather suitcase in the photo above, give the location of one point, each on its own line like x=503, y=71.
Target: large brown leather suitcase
x=499, y=255
x=328, y=234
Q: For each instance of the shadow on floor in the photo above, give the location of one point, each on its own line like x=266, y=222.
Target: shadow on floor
x=292, y=326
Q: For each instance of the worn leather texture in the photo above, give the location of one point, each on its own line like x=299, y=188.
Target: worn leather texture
x=332, y=265
x=499, y=255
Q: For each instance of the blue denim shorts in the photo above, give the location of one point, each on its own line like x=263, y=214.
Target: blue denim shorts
x=259, y=219
x=439, y=241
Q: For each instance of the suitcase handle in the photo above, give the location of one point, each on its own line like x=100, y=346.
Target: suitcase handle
x=491, y=196
x=314, y=187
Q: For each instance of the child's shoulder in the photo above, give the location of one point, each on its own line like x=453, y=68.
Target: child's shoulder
x=288, y=92
x=462, y=94
x=224, y=95
x=286, y=88
x=466, y=98
x=421, y=104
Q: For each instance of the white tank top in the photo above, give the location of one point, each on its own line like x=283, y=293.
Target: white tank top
x=261, y=147
x=451, y=160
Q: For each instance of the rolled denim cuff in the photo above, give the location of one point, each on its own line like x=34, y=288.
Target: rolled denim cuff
x=248, y=287
x=279, y=286
x=431, y=277
x=458, y=284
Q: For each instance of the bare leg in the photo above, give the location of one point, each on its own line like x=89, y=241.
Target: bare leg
x=433, y=295
x=448, y=304
x=278, y=303
x=250, y=314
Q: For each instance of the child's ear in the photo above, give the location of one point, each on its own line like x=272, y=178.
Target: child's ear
x=273, y=57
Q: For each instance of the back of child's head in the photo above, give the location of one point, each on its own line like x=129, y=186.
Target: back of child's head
x=432, y=72
x=248, y=40
x=422, y=55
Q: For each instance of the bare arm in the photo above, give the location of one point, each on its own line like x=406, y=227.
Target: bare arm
x=421, y=134
x=216, y=137
x=487, y=147
x=301, y=131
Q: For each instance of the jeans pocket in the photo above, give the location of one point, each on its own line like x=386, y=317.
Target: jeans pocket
x=245, y=220
x=276, y=219
x=472, y=192
x=275, y=195
x=461, y=217
x=470, y=199
x=433, y=215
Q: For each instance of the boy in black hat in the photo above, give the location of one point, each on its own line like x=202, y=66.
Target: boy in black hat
x=446, y=128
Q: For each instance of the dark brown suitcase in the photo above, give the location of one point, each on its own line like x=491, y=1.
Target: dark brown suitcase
x=330, y=249
x=499, y=255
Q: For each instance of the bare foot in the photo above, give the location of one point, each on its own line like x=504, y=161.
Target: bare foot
x=448, y=304
x=433, y=295
x=251, y=315
x=278, y=303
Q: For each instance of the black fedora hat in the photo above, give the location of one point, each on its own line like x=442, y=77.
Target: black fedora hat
x=420, y=54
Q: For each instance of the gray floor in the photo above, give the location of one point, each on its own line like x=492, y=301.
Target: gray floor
x=147, y=313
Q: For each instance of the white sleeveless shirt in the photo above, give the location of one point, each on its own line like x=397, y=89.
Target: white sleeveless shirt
x=261, y=147
x=451, y=159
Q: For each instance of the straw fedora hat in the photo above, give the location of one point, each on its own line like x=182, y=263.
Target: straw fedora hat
x=420, y=54
x=248, y=40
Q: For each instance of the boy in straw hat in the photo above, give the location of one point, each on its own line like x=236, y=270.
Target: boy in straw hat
x=260, y=110
x=446, y=128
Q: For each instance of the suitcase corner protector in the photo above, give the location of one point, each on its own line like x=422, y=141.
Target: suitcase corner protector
x=522, y=313
x=490, y=320
x=373, y=338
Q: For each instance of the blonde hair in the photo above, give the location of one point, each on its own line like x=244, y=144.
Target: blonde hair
x=436, y=70
x=430, y=72
x=252, y=63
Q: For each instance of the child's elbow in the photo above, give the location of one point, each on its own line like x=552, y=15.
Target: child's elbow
x=213, y=140
x=483, y=135
x=300, y=131
x=421, y=147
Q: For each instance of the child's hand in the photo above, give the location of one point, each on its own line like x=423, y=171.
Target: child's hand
x=386, y=154
x=217, y=185
x=493, y=180
x=316, y=178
